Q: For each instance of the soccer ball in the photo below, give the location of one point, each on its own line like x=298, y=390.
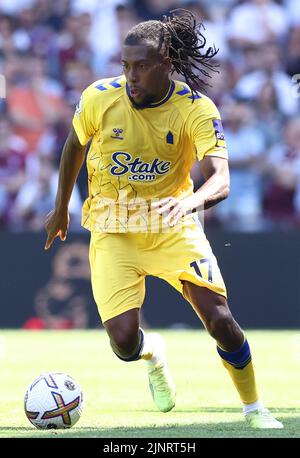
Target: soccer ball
x=53, y=401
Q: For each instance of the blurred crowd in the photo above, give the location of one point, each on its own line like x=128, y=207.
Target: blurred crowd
x=51, y=50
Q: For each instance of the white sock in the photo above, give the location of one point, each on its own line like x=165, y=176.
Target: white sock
x=250, y=407
x=148, y=351
x=153, y=361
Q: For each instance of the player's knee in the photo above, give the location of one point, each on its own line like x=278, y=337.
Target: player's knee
x=124, y=343
x=123, y=332
x=220, y=325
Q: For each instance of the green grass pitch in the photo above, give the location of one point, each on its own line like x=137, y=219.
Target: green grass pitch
x=118, y=403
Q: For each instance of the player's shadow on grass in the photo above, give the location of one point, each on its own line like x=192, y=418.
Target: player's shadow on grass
x=198, y=430
x=214, y=429
x=221, y=410
x=15, y=428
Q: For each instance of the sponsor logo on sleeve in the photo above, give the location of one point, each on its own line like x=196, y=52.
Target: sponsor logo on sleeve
x=78, y=109
x=219, y=132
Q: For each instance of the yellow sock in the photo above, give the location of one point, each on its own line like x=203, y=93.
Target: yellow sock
x=244, y=381
x=239, y=365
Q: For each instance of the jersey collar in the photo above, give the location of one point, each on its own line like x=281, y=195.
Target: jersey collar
x=164, y=100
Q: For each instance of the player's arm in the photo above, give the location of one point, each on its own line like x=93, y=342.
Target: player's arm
x=215, y=189
x=72, y=158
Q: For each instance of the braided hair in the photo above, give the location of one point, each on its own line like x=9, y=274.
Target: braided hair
x=180, y=37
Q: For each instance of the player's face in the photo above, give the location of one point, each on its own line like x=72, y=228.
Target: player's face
x=146, y=72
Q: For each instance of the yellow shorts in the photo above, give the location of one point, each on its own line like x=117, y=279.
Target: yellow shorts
x=120, y=262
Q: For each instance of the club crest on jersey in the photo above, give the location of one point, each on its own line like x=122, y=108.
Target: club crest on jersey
x=117, y=133
x=137, y=169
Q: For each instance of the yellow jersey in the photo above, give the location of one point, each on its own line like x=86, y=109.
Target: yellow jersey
x=137, y=156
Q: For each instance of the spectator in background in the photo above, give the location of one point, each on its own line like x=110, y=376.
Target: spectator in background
x=13, y=152
x=13, y=68
x=242, y=210
x=222, y=83
x=293, y=10
x=13, y=7
x=293, y=51
x=155, y=9
x=272, y=70
x=35, y=104
x=126, y=18
x=73, y=42
x=77, y=76
x=247, y=62
x=11, y=40
x=268, y=114
x=215, y=32
x=26, y=23
x=256, y=22
x=37, y=197
x=282, y=191
x=52, y=14
x=103, y=37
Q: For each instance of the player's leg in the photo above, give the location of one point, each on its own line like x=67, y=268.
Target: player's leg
x=130, y=343
x=118, y=289
x=185, y=260
x=126, y=337
x=233, y=348
x=214, y=312
x=118, y=286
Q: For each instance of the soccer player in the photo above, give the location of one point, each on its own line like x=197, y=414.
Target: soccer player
x=144, y=131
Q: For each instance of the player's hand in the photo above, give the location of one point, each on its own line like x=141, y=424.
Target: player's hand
x=56, y=225
x=174, y=208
